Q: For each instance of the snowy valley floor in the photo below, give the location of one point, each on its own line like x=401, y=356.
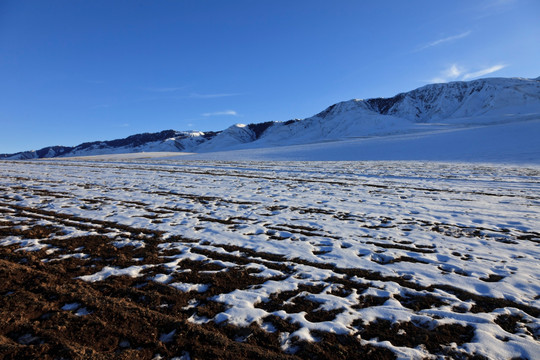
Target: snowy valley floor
x=272, y=260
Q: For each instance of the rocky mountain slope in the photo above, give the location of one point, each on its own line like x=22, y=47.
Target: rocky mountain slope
x=455, y=104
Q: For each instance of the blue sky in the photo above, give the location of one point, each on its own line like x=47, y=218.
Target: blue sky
x=74, y=71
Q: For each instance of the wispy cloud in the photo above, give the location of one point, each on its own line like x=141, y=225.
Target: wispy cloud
x=211, y=96
x=455, y=72
x=492, y=7
x=483, y=72
x=498, y=4
x=444, y=40
x=219, y=113
x=452, y=73
x=118, y=125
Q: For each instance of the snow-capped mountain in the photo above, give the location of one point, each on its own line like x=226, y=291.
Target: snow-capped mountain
x=461, y=100
x=478, y=102
x=167, y=140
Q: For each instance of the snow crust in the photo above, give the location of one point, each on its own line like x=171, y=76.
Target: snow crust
x=429, y=223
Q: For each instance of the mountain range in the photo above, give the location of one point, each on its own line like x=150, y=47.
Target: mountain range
x=480, y=102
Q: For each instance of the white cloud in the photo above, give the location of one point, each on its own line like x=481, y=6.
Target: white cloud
x=219, y=113
x=455, y=72
x=483, y=72
x=452, y=73
x=445, y=40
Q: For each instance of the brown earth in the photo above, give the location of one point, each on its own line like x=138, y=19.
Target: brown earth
x=47, y=313
x=125, y=321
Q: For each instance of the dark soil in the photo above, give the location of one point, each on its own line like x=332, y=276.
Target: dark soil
x=411, y=335
x=47, y=313
x=126, y=321
x=419, y=302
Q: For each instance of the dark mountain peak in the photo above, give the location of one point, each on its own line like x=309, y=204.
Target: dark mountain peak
x=383, y=105
x=259, y=128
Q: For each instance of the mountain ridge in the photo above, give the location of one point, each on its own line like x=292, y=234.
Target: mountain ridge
x=482, y=101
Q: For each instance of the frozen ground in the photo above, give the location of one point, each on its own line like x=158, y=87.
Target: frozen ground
x=388, y=259
x=129, y=156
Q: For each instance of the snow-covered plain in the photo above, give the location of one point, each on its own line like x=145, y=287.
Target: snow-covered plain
x=422, y=243
x=504, y=140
